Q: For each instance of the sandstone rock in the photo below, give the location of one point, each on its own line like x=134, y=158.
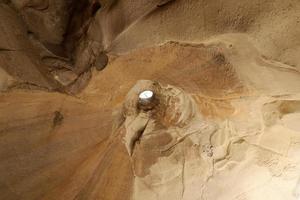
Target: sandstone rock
x=45, y=17
x=5, y=80
x=224, y=124
x=101, y=61
x=65, y=77
x=80, y=83
x=17, y=56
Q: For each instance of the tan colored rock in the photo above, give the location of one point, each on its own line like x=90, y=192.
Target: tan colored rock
x=101, y=61
x=224, y=124
x=78, y=84
x=47, y=19
x=65, y=77
x=17, y=55
x=5, y=80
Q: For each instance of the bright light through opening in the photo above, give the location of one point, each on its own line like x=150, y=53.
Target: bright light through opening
x=145, y=95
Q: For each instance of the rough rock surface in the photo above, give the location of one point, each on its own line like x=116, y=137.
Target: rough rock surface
x=225, y=74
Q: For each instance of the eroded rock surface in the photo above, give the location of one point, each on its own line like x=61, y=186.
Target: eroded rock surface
x=224, y=124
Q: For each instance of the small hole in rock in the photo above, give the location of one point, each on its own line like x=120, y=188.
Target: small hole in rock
x=58, y=118
x=29, y=32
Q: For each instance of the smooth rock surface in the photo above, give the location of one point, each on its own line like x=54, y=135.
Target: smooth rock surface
x=224, y=124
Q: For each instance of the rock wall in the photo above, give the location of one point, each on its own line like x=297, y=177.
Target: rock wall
x=224, y=125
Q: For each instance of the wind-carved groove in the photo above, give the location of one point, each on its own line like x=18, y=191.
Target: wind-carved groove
x=182, y=176
x=5, y=49
x=150, y=11
x=42, y=8
x=180, y=140
x=26, y=85
x=136, y=138
x=165, y=2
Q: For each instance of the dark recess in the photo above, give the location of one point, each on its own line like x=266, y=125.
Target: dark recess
x=95, y=7
x=58, y=118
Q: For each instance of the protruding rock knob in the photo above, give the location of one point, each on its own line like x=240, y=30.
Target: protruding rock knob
x=146, y=100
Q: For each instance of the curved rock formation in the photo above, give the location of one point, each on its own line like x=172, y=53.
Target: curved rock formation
x=224, y=123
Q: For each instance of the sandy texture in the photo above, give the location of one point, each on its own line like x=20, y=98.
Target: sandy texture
x=236, y=140
x=226, y=79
